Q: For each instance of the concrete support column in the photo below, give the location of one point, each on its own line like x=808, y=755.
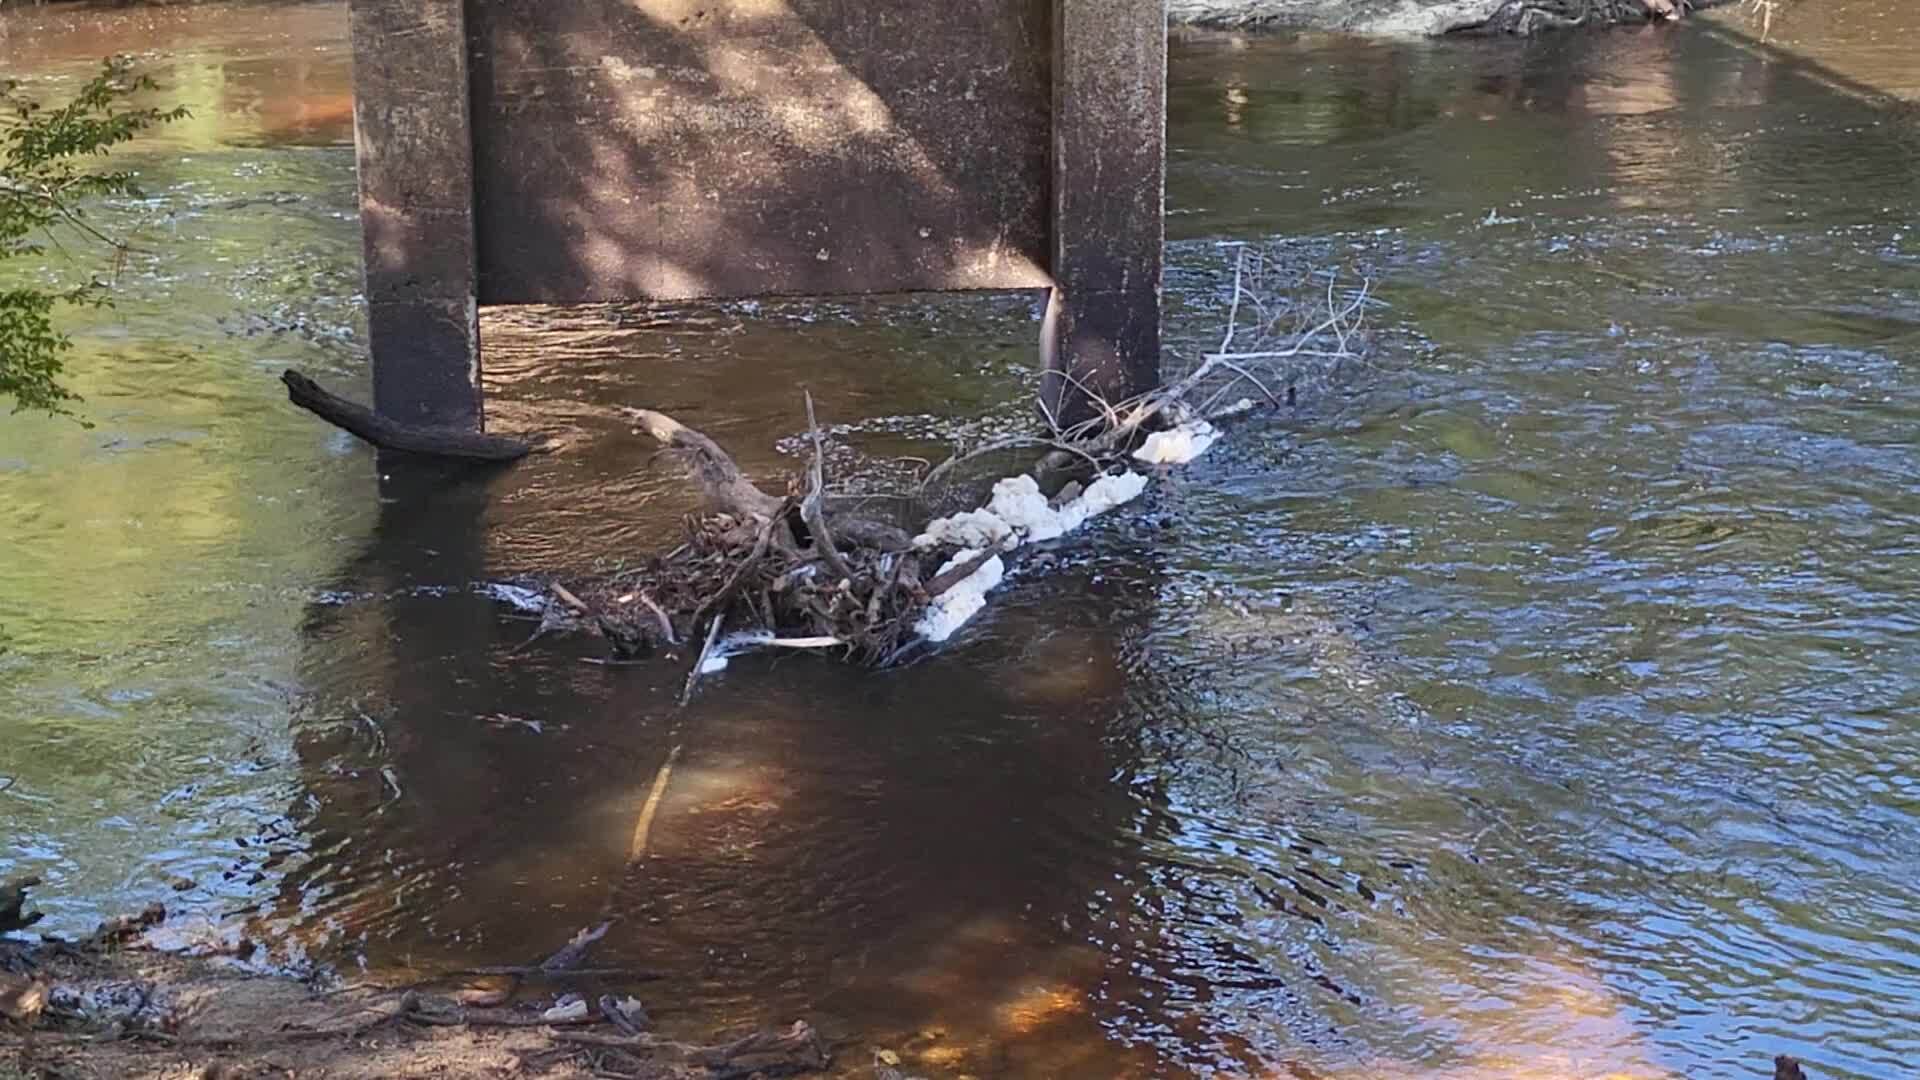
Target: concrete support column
x=1109, y=200
x=414, y=146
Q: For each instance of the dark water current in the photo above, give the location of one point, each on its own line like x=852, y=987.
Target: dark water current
x=1539, y=698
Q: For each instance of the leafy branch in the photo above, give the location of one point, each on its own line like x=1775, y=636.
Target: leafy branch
x=49, y=172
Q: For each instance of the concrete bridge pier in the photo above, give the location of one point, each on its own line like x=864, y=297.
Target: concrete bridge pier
x=618, y=150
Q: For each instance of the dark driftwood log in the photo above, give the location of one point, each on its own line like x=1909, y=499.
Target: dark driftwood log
x=389, y=434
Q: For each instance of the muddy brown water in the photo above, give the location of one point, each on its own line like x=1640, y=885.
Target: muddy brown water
x=1539, y=698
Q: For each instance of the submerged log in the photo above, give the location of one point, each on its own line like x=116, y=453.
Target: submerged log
x=390, y=434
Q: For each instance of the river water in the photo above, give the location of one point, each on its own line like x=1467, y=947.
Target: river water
x=1539, y=697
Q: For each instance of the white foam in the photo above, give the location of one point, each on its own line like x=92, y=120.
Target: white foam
x=1108, y=492
x=1017, y=514
x=979, y=529
x=951, y=609
x=1178, y=445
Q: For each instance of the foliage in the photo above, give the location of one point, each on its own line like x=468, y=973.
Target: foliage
x=49, y=160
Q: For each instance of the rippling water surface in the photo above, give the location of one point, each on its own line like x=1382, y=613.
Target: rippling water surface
x=1540, y=697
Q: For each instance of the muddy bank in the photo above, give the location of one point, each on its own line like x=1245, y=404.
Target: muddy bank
x=138, y=1013
x=111, y=1005
x=1425, y=18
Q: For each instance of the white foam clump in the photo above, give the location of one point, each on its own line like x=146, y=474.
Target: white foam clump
x=1017, y=514
x=1029, y=516
x=978, y=529
x=951, y=609
x=1178, y=445
x=1108, y=492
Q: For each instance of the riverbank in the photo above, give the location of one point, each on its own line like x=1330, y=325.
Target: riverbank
x=1425, y=18
x=100, y=1009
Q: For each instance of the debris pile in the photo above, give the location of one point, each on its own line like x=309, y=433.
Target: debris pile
x=801, y=570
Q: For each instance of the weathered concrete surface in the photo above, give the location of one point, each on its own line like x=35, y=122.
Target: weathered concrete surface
x=1420, y=18
x=416, y=193
x=672, y=149
x=515, y=152
x=1109, y=198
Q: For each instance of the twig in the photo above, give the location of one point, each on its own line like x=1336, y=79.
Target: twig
x=1233, y=312
x=813, y=509
x=717, y=601
x=943, y=582
x=700, y=662
x=643, y=827
x=666, y=624
x=575, y=950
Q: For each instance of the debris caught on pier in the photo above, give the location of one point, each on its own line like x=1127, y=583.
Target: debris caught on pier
x=802, y=569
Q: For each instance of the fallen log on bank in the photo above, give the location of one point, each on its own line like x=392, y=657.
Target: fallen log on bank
x=389, y=434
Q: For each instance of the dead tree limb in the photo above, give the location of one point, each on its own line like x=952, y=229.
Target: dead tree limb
x=723, y=486
x=390, y=434
x=813, y=509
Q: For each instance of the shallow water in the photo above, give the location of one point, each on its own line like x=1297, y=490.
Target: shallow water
x=1538, y=698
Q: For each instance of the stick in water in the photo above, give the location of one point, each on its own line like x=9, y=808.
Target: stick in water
x=643, y=827
x=700, y=662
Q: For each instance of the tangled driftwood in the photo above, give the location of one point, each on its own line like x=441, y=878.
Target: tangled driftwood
x=786, y=571
x=796, y=570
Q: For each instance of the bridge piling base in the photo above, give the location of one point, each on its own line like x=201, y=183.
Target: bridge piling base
x=414, y=150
